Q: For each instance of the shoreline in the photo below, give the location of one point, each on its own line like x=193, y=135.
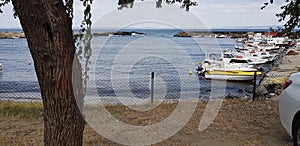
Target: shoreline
x=203, y=33
x=279, y=73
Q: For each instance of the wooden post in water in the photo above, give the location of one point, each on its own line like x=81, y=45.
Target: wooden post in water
x=254, y=85
x=152, y=87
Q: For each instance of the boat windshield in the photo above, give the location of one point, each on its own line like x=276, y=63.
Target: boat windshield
x=263, y=53
x=238, y=61
x=228, y=56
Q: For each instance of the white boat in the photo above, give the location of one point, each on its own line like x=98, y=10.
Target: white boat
x=15, y=37
x=254, y=59
x=236, y=57
x=240, y=40
x=221, y=36
x=255, y=39
x=232, y=69
x=240, y=48
x=232, y=75
x=0, y=66
x=134, y=33
x=262, y=55
x=245, y=47
x=267, y=47
x=230, y=72
x=266, y=55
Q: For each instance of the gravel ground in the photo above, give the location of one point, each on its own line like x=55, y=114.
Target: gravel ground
x=239, y=122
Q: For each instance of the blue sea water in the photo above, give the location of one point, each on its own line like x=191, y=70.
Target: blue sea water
x=18, y=74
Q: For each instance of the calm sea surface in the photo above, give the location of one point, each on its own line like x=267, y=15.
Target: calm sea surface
x=124, y=61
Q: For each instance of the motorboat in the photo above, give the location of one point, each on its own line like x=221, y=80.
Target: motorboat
x=260, y=56
x=268, y=47
x=231, y=69
x=245, y=47
x=265, y=55
x=230, y=72
x=240, y=40
x=237, y=57
x=231, y=75
x=0, y=66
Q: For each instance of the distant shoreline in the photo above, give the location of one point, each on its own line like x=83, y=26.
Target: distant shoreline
x=221, y=33
x=138, y=29
x=216, y=32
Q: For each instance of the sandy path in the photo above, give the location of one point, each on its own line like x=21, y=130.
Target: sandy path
x=239, y=122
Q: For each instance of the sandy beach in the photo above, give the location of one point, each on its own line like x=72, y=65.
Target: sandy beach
x=239, y=122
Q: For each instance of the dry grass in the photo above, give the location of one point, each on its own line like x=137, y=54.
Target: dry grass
x=239, y=122
x=24, y=110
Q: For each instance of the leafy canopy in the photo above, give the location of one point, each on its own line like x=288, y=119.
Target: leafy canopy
x=290, y=14
x=185, y=3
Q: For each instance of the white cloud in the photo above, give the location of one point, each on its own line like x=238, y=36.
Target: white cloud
x=146, y=14
x=237, y=13
x=214, y=13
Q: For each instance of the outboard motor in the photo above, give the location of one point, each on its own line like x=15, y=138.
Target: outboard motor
x=200, y=70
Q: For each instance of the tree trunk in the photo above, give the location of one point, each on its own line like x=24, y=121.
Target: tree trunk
x=48, y=30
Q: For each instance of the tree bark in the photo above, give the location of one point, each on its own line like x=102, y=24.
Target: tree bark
x=48, y=30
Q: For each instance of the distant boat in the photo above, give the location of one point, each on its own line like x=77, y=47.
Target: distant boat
x=240, y=40
x=15, y=37
x=0, y=66
x=221, y=36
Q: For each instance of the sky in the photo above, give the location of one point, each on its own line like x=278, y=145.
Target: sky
x=208, y=14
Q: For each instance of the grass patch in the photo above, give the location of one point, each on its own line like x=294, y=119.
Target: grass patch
x=26, y=110
x=278, y=80
x=275, y=69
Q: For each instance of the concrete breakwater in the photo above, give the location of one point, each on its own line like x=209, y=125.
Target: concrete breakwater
x=11, y=35
x=220, y=34
x=214, y=34
x=15, y=35
x=119, y=33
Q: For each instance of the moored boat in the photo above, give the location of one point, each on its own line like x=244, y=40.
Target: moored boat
x=228, y=70
x=231, y=75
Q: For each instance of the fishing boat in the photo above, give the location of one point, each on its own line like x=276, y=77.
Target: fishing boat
x=266, y=55
x=244, y=47
x=231, y=75
x=238, y=57
x=231, y=69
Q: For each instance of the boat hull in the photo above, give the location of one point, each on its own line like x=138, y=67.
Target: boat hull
x=231, y=75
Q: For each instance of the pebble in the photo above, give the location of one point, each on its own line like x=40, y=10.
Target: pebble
x=270, y=108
